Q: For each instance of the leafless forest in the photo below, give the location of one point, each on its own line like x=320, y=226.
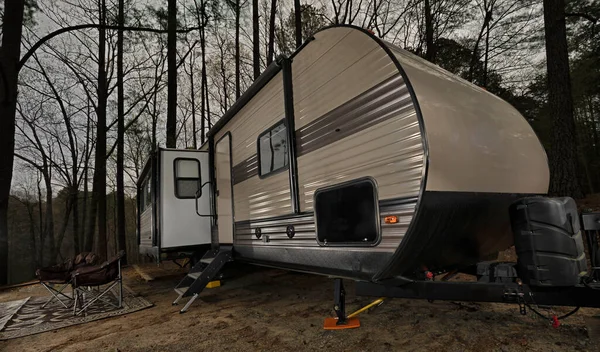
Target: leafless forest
x=89, y=87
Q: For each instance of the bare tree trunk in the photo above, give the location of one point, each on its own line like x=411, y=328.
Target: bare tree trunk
x=255, y=40
x=224, y=76
x=271, y=48
x=202, y=108
x=475, y=53
x=564, y=180
x=193, y=96
x=97, y=211
x=64, y=227
x=431, y=52
x=172, y=75
x=207, y=102
x=75, y=201
x=203, y=85
x=154, y=123
x=30, y=212
x=9, y=60
x=88, y=236
x=594, y=127
x=237, y=49
x=205, y=79
x=41, y=220
x=121, y=241
x=100, y=170
x=298, y=22
x=336, y=12
x=487, y=55
x=49, y=220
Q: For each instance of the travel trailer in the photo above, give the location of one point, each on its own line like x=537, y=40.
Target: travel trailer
x=351, y=158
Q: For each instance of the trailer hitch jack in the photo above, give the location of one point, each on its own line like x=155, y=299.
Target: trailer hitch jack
x=342, y=321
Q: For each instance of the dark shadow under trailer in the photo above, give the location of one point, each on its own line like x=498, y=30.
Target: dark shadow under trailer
x=501, y=282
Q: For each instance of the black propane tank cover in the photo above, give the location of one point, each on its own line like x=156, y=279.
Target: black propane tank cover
x=548, y=241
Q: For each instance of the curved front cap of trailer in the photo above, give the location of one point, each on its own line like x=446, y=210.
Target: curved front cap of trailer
x=481, y=156
x=448, y=157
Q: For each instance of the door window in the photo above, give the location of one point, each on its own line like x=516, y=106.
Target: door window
x=187, y=177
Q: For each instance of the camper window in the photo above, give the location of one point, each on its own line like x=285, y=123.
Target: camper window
x=187, y=177
x=273, y=149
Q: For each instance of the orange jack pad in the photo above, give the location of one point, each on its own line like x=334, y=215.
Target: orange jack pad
x=331, y=324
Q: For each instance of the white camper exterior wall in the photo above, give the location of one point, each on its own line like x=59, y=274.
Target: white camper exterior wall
x=257, y=198
x=180, y=225
x=477, y=141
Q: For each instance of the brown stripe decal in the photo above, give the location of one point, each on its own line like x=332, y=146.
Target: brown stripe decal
x=380, y=103
x=245, y=170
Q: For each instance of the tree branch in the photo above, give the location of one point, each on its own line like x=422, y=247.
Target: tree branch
x=90, y=26
x=588, y=17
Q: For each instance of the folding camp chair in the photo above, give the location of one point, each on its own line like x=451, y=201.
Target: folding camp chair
x=84, y=280
x=58, y=277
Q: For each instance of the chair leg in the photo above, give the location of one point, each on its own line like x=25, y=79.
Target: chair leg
x=56, y=294
x=120, y=293
x=120, y=286
x=76, y=293
x=94, y=299
x=48, y=301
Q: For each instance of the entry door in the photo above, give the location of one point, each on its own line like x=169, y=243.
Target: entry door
x=224, y=190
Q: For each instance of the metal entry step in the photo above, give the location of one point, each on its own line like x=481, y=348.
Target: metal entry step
x=201, y=274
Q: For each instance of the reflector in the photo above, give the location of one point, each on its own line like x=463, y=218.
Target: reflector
x=392, y=219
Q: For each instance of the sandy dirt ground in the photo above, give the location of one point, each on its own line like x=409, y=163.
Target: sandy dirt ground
x=272, y=310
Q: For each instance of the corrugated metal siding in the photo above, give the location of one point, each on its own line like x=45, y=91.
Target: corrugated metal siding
x=374, y=106
x=256, y=198
x=341, y=65
x=392, y=234
x=146, y=227
x=391, y=152
x=246, y=169
x=273, y=232
x=338, y=65
x=261, y=112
